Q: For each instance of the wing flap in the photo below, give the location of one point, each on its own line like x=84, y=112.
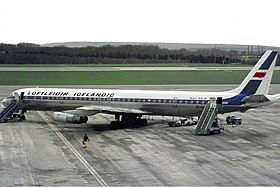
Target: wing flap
x=92, y=110
x=111, y=109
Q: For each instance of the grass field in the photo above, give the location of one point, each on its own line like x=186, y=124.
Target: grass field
x=125, y=77
x=129, y=65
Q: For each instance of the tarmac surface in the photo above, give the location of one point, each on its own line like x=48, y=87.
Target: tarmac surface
x=42, y=152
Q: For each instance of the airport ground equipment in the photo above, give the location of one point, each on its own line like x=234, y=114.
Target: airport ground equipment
x=185, y=122
x=12, y=110
x=207, y=118
x=234, y=120
x=9, y=111
x=216, y=127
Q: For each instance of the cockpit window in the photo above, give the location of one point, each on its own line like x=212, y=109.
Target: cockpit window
x=15, y=94
x=11, y=96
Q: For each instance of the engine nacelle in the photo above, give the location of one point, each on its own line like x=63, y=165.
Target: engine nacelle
x=69, y=118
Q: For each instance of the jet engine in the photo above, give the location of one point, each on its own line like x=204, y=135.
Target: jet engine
x=68, y=118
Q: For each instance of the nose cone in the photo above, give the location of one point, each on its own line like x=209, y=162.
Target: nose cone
x=7, y=101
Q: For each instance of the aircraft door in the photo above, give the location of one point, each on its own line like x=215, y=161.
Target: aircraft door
x=109, y=99
x=174, y=102
x=219, y=100
x=21, y=96
x=17, y=97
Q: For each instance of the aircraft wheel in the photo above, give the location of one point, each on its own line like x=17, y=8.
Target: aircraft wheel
x=22, y=117
x=143, y=122
x=116, y=125
x=113, y=125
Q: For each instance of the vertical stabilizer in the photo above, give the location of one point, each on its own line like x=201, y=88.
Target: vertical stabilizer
x=259, y=79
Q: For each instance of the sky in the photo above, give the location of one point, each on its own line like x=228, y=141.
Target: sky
x=248, y=22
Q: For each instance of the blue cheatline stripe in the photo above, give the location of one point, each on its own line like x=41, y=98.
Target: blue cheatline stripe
x=268, y=61
x=251, y=87
x=236, y=100
x=130, y=100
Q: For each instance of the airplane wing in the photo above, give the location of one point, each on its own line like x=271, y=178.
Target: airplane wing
x=92, y=110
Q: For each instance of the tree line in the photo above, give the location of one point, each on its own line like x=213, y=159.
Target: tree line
x=26, y=53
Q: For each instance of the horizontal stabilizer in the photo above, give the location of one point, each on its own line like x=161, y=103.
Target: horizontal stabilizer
x=255, y=99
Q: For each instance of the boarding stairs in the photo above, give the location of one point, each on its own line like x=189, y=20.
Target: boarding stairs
x=207, y=117
x=8, y=112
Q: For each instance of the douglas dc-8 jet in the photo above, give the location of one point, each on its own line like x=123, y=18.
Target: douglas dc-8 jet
x=128, y=106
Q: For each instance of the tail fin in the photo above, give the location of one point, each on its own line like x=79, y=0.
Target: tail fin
x=258, y=80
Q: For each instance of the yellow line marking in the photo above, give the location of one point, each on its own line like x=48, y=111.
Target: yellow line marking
x=92, y=171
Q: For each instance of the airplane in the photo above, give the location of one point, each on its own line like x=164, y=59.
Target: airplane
x=128, y=106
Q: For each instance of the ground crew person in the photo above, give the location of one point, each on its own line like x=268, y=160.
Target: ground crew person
x=85, y=141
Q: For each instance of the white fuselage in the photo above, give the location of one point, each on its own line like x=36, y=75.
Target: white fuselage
x=172, y=103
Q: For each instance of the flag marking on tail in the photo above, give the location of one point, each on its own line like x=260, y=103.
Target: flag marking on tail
x=259, y=74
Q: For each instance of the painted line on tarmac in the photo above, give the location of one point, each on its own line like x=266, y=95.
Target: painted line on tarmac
x=92, y=171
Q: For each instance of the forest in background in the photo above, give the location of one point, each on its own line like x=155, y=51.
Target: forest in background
x=26, y=53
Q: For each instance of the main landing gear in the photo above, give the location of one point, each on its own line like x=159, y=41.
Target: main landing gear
x=127, y=120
